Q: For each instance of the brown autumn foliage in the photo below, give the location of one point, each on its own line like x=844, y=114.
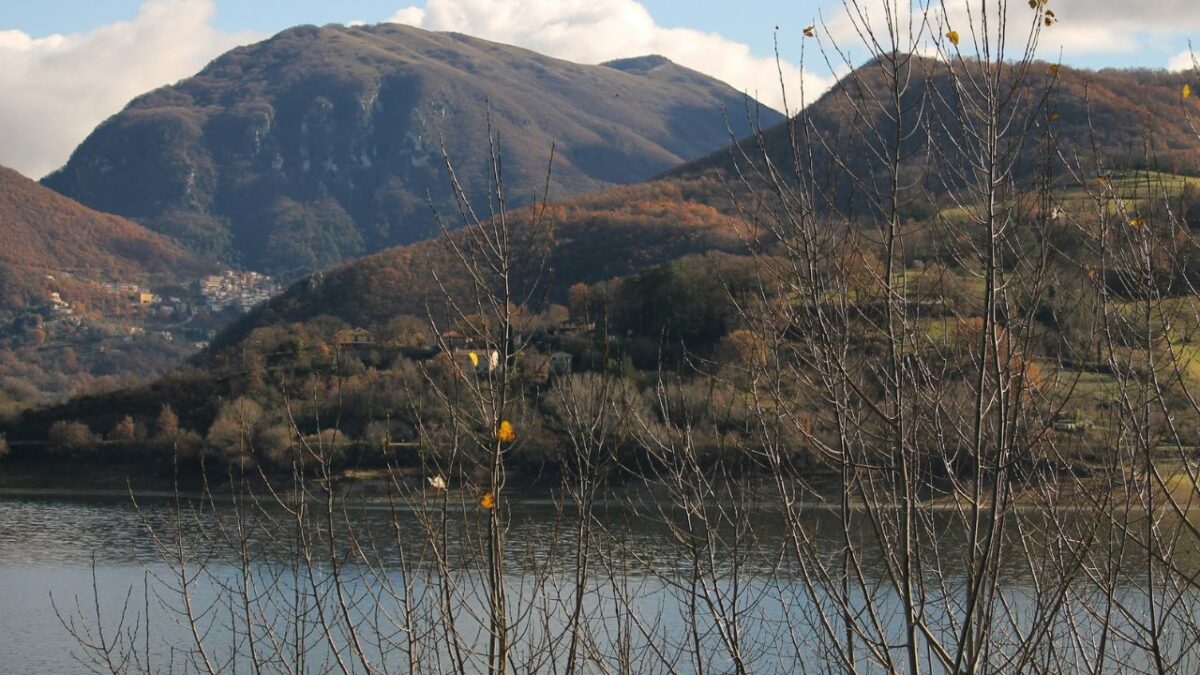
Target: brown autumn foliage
x=614, y=233
x=48, y=235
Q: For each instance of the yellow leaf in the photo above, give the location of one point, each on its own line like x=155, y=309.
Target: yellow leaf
x=1136, y=221
x=1054, y=68
x=1054, y=116
x=1187, y=91
x=809, y=32
x=474, y=359
x=952, y=36
x=487, y=501
x=506, y=433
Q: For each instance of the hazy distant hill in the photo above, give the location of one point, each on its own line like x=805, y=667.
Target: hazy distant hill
x=322, y=144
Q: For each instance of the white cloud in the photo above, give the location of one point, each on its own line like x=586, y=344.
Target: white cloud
x=1185, y=60
x=58, y=88
x=1084, y=30
x=593, y=31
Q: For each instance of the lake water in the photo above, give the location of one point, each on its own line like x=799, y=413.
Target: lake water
x=75, y=559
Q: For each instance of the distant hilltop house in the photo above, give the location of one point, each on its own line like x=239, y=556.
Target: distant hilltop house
x=121, y=288
x=571, y=327
x=455, y=340
x=1071, y=423
x=137, y=296
x=58, y=305
x=350, y=338
x=211, y=284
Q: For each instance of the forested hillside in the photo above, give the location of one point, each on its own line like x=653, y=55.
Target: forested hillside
x=68, y=275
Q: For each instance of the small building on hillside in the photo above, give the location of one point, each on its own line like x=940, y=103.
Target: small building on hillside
x=1071, y=423
x=354, y=338
x=455, y=340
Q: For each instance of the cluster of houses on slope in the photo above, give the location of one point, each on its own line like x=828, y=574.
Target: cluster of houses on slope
x=217, y=292
x=60, y=307
x=243, y=290
x=144, y=300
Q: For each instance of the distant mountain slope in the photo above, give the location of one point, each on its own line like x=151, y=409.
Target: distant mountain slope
x=322, y=144
x=628, y=230
x=1134, y=118
x=45, y=233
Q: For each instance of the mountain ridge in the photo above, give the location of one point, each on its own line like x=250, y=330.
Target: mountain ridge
x=323, y=144
x=702, y=190
x=635, y=231
x=1111, y=110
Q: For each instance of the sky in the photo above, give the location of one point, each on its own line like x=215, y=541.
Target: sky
x=66, y=65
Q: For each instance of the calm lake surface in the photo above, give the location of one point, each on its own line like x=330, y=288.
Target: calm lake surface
x=60, y=554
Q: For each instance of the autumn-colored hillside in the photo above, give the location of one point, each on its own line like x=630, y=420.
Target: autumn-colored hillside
x=617, y=232
x=68, y=316
x=663, y=236
x=626, y=230
x=45, y=233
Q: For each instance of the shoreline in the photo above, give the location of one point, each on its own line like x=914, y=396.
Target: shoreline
x=372, y=488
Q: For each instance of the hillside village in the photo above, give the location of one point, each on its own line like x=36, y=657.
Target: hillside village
x=82, y=333
x=243, y=290
x=141, y=307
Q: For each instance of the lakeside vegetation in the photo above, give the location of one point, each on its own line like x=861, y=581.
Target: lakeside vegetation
x=693, y=326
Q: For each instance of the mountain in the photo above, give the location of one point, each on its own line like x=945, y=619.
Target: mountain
x=689, y=211
x=676, y=222
x=323, y=144
x=622, y=232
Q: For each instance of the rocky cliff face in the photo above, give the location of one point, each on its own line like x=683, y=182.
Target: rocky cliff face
x=323, y=144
